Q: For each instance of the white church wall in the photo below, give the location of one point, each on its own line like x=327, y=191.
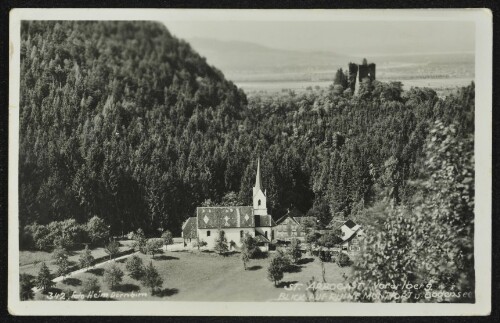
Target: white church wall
x=230, y=233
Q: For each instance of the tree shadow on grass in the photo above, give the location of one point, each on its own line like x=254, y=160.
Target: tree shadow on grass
x=254, y=268
x=165, y=257
x=293, y=269
x=96, y=271
x=72, y=281
x=304, y=261
x=127, y=288
x=167, y=292
x=283, y=284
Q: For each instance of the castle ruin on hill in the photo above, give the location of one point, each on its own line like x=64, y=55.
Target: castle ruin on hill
x=356, y=71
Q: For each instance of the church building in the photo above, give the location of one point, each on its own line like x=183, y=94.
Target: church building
x=234, y=221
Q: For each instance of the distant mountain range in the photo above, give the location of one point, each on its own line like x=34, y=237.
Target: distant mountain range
x=245, y=61
x=237, y=57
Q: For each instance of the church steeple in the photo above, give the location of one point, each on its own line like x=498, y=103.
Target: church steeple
x=257, y=176
x=259, y=197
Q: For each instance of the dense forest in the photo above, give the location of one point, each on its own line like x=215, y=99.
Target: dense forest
x=124, y=121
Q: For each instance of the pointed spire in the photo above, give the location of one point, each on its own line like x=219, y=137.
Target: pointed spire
x=257, y=177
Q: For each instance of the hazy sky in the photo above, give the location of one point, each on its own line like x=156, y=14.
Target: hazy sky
x=349, y=38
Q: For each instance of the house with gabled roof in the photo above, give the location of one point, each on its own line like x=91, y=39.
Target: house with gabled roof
x=233, y=221
x=351, y=232
x=293, y=225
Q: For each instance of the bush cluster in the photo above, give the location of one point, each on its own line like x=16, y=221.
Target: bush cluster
x=64, y=234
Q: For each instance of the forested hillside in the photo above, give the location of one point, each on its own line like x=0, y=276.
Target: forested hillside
x=124, y=121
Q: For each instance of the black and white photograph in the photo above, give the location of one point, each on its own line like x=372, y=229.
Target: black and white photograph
x=282, y=159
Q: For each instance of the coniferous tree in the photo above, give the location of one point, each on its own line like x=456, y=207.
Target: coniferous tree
x=135, y=267
x=113, y=275
x=44, y=278
x=151, y=278
x=26, y=285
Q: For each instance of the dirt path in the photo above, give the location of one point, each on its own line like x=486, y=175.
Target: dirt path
x=79, y=271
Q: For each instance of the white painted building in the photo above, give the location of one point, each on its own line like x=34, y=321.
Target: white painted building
x=351, y=232
x=234, y=221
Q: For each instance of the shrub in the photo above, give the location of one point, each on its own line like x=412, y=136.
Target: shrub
x=325, y=255
x=343, y=260
x=90, y=285
x=329, y=240
x=97, y=230
x=312, y=237
x=245, y=257
x=153, y=246
x=140, y=241
x=250, y=244
x=44, y=278
x=221, y=243
x=112, y=248
x=135, y=267
x=283, y=259
x=113, y=275
x=26, y=285
x=294, y=250
x=167, y=238
x=41, y=237
x=275, y=270
x=63, y=234
x=151, y=278
x=60, y=255
x=86, y=259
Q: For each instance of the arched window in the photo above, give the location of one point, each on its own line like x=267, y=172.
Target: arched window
x=241, y=233
x=208, y=233
x=265, y=233
x=258, y=203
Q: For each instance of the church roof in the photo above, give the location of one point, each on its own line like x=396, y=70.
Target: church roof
x=189, y=229
x=225, y=217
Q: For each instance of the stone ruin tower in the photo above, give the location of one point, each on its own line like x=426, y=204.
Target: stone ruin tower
x=361, y=71
x=351, y=78
x=366, y=71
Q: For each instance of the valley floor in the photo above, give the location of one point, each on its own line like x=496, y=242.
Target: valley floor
x=206, y=276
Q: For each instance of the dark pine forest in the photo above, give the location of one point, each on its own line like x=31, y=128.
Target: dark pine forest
x=124, y=121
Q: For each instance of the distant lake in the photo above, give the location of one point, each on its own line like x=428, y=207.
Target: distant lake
x=438, y=84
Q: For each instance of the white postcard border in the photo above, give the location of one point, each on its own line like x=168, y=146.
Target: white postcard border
x=483, y=175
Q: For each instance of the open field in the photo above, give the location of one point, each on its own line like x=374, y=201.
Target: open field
x=205, y=276
x=438, y=84
x=30, y=261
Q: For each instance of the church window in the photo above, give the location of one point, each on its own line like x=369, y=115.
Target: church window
x=241, y=233
x=265, y=233
x=258, y=203
x=208, y=233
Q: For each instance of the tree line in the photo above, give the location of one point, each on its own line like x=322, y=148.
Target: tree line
x=123, y=121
